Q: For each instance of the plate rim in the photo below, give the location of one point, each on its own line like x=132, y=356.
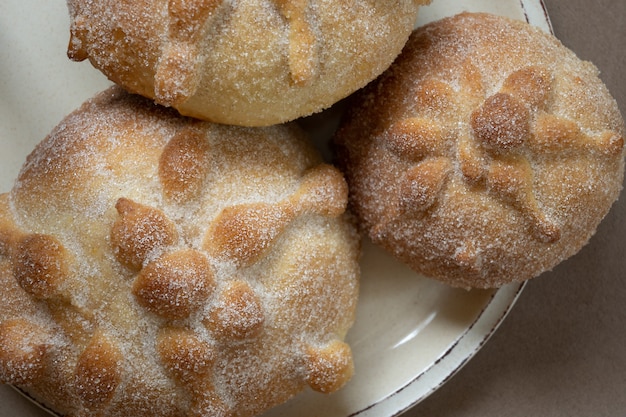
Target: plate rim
x=472, y=339
x=466, y=345
x=536, y=14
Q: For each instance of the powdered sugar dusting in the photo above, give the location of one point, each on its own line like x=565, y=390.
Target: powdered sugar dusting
x=245, y=62
x=493, y=149
x=141, y=259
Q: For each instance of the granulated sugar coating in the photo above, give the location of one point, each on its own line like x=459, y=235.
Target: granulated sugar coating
x=155, y=265
x=243, y=62
x=488, y=152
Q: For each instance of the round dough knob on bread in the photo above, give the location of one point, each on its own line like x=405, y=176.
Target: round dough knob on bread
x=246, y=62
x=156, y=265
x=487, y=153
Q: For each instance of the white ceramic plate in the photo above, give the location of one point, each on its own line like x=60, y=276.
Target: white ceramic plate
x=412, y=334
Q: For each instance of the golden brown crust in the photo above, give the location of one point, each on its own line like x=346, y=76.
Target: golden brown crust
x=238, y=315
x=22, y=351
x=138, y=232
x=488, y=153
x=126, y=290
x=185, y=355
x=183, y=165
x=175, y=284
x=252, y=63
x=328, y=368
x=98, y=372
x=40, y=265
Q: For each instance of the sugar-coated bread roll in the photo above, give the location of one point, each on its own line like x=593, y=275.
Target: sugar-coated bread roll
x=245, y=62
x=487, y=154
x=155, y=265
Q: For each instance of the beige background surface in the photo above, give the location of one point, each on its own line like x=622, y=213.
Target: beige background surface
x=562, y=350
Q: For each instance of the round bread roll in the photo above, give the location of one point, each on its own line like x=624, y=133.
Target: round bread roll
x=153, y=265
x=488, y=153
x=249, y=62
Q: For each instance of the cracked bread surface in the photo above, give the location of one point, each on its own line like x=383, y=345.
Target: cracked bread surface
x=488, y=152
x=157, y=265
